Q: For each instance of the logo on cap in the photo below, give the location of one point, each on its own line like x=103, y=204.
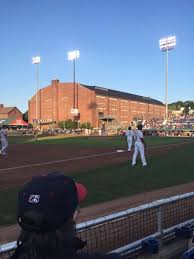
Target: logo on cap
x=34, y=198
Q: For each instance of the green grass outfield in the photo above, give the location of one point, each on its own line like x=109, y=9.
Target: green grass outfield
x=115, y=141
x=122, y=180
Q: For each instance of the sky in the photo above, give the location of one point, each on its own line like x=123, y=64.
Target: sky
x=118, y=42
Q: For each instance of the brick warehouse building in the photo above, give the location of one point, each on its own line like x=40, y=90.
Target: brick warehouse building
x=95, y=105
x=9, y=112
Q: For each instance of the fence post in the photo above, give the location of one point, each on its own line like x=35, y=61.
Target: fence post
x=160, y=223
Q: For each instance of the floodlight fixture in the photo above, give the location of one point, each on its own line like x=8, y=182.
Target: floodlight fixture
x=36, y=60
x=72, y=55
x=167, y=43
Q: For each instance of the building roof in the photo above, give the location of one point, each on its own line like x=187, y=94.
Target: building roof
x=18, y=122
x=6, y=110
x=123, y=95
x=12, y=121
x=7, y=121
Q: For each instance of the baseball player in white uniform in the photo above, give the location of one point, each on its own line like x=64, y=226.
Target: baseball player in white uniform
x=139, y=146
x=129, y=135
x=4, y=141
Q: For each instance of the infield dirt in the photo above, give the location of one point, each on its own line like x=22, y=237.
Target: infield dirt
x=27, y=160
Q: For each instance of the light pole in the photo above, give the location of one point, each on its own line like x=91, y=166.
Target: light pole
x=36, y=61
x=73, y=55
x=167, y=44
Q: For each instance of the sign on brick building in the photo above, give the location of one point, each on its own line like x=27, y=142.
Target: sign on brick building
x=74, y=112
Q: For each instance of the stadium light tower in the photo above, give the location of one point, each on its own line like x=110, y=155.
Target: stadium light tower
x=167, y=44
x=73, y=55
x=36, y=61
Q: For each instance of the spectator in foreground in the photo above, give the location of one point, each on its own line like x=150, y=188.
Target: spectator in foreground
x=47, y=213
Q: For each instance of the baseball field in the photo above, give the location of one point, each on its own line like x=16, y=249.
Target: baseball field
x=96, y=162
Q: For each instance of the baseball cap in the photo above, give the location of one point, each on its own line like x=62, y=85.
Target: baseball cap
x=46, y=202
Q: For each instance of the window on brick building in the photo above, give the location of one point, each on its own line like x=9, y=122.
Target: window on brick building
x=100, y=114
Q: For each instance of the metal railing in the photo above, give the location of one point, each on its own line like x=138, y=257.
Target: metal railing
x=127, y=227
x=133, y=249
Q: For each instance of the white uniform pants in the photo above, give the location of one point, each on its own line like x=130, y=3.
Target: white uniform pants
x=4, y=144
x=129, y=142
x=139, y=147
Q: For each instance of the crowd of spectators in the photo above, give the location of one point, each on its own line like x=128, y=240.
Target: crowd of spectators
x=156, y=124
x=19, y=131
x=174, y=126
x=174, y=123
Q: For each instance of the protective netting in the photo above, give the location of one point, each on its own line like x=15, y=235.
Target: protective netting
x=116, y=230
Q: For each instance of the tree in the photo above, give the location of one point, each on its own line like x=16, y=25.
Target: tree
x=186, y=110
x=178, y=107
x=68, y=124
x=179, y=104
x=189, y=104
x=61, y=124
x=172, y=107
x=85, y=125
